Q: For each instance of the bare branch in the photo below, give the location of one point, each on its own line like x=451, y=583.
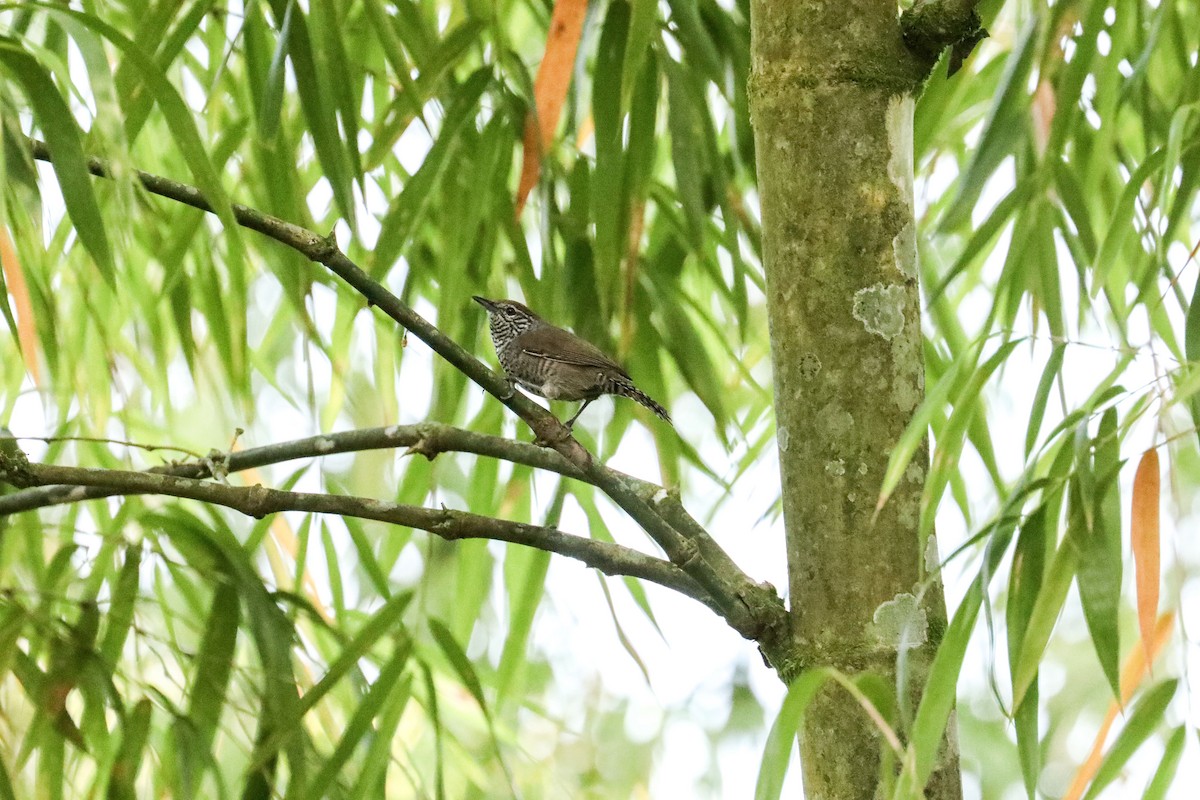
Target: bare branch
x=258, y=501
x=430, y=439
x=427, y=439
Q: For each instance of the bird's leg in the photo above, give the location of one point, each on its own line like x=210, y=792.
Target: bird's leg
x=512, y=387
x=571, y=422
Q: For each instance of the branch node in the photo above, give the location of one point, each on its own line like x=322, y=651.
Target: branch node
x=257, y=503
x=14, y=465
x=217, y=464
x=323, y=248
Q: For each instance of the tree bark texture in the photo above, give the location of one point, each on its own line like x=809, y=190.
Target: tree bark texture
x=832, y=93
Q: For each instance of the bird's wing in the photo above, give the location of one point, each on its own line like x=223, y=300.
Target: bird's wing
x=567, y=348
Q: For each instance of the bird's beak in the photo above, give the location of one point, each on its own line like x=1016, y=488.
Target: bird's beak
x=483, y=301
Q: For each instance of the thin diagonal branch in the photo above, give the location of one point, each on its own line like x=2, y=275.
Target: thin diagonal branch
x=754, y=610
x=259, y=501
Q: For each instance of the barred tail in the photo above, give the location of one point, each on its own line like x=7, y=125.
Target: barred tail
x=625, y=388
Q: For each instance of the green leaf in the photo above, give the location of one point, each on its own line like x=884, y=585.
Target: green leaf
x=320, y=110
x=135, y=731
x=1050, y=599
x=120, y=613
x=1098, y=537
x=1003, y=129
x=458, y=660
x=610, y=208
x=63, y=138
x=1041, y=396
x=409, y=208
x=359, y=726
x=1145, y=718
x=688, y=154
x=213, y=667
x=937, y=701
x=777, y=751
x=1164, y=776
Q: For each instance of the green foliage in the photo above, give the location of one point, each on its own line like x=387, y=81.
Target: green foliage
x=154, y=648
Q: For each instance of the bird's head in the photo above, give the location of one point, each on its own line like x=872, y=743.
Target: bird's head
x=508, y=316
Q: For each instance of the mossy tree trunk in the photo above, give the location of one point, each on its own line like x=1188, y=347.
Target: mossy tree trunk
x=832, y=92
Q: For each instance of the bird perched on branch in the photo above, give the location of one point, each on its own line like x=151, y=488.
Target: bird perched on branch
x=555, y=363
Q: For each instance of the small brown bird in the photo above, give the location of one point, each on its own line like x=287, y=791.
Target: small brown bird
x=555, y=363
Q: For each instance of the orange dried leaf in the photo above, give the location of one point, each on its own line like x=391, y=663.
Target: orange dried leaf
x=14, y=277
x=1137, y=665
x=550, y=89
x=1144, y=539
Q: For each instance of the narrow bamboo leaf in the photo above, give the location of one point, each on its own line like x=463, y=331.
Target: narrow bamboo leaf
x=1191, y=339
x=938, y=699
x=1046, y=608
x=367, y=559
x=694, y=362
x=1002, y=130
x=360, y=724
x=643, y=139
x=120, y=614
x=458, y=661
x=410, y=206
x=1047, y=291
x=213, y=667
x=1029, y=746
x=1098, y=537
x=525, y=570
x=697, y=44
x=320, y=111
x=610, y=205
x=643, y=25
x=687, y=155
x=271, y=91
x=435, y=719
x=384, y=621
x=1075, y=202
x=626, y=643
x=1025, y=578
x=6, y=787
x=153, y=39
x=1041, y=396
x=777, y=751
x=473, y=579
x=1144, y=539
x=1121, y=223
x=1146, y=716
x=66, y=149
x=968, y=402
x=346, y=84
x=393, y=45
x=12, y=622
x=1164, y=776
x=372, y=779
x=1067, y=92
x=135, y=730
x=470, y=679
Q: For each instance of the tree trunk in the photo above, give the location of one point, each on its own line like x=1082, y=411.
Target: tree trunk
x=832, y=91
